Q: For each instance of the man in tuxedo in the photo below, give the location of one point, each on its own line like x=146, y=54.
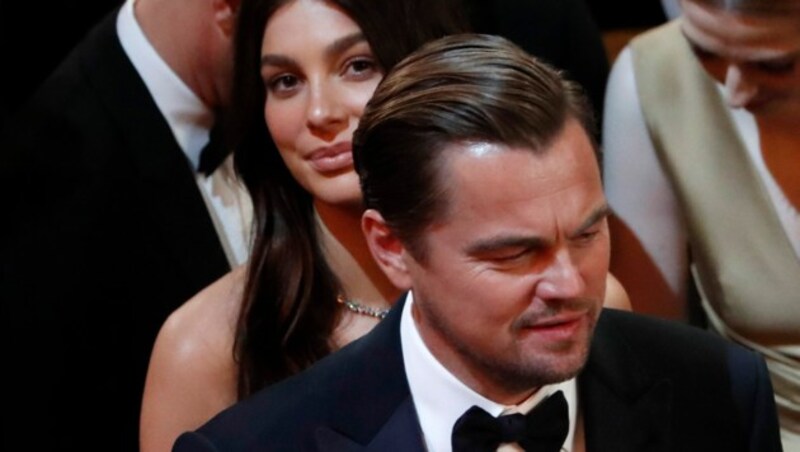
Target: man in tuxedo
x=113, y=217
x=484, y=200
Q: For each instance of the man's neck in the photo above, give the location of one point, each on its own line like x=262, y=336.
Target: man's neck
x=168, y=27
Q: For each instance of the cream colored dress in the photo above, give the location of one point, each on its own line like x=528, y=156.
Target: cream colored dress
x=743, y=254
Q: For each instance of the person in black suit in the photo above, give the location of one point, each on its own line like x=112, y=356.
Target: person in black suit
x=484, y=200
x=108, y=225
x=36, y=37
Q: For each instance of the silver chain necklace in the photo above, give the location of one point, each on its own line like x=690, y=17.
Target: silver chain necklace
x=358, y=308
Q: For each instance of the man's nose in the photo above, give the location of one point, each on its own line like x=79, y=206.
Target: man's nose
x=562, y=279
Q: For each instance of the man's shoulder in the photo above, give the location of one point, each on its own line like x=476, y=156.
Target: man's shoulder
x=291, y=407
x=85, y=87
x=85, y=114
x=694, y=360
x=359, y=386
x=700, y=375
x=670, y=340
x=88, y=55
x=295, y=407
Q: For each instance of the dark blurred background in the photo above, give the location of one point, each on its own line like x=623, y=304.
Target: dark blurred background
x=36, y=35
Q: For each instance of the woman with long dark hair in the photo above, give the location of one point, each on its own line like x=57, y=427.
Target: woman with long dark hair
x=304, y=71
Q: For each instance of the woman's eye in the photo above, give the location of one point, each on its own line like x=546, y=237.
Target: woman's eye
x=283, y=84
x=361, y=68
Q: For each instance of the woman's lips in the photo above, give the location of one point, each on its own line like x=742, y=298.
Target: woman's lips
x=331, y=159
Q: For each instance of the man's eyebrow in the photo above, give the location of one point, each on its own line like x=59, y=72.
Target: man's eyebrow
x=337, y=47
x=501, y=242
x=596, y=216
x=510, y=241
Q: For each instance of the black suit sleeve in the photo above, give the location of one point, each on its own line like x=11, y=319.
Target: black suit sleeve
x=752, y=389
x=193, y=442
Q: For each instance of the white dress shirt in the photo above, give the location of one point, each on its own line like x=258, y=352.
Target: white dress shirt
x=190, y=121
x=440, y=398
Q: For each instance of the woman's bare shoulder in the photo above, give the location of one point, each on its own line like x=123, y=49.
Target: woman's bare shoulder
x=212, y=312
x=616, y=295
x=192, y=373
x=203, y=328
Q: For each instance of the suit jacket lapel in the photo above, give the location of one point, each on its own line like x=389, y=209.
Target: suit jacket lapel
x=401, y=432
x=166, y=180
x=622, y=411
x=382, y=414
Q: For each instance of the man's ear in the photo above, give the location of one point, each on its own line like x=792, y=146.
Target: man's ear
x=225, y=15
x=386, y=249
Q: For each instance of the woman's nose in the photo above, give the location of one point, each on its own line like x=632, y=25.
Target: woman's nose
x=326, y=115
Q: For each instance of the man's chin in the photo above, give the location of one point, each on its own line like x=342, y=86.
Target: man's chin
x=545, y=368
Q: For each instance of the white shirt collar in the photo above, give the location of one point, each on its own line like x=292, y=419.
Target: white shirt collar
x=440, y=398
x=188, y=117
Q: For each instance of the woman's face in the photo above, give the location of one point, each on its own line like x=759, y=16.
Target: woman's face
x=319, y=73
x=756, y=57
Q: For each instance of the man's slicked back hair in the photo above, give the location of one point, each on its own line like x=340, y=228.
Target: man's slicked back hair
x=458, y=89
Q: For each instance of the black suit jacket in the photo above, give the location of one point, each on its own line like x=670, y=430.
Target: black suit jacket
x=648, y=385
x=104, y=234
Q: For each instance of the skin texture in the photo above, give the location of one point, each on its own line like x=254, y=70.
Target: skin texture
x=756, y=58
x=192, y=374
x=205, y=62
x=316, y=93
x=515, y=275
x=317, y=87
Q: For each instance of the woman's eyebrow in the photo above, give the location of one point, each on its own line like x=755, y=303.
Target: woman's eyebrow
x=337, y=47
x=342, y=44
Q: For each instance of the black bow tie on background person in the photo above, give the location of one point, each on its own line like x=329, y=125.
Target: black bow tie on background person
x=543, y=429
x=215, y=151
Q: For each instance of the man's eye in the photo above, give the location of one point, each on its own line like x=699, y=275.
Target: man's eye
x=510, y=256
x=587, y=236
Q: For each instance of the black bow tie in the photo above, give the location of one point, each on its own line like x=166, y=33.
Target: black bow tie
x=543, y=429
x=214, y=152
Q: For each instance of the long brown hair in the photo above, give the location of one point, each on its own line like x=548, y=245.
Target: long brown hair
x=289, y=307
